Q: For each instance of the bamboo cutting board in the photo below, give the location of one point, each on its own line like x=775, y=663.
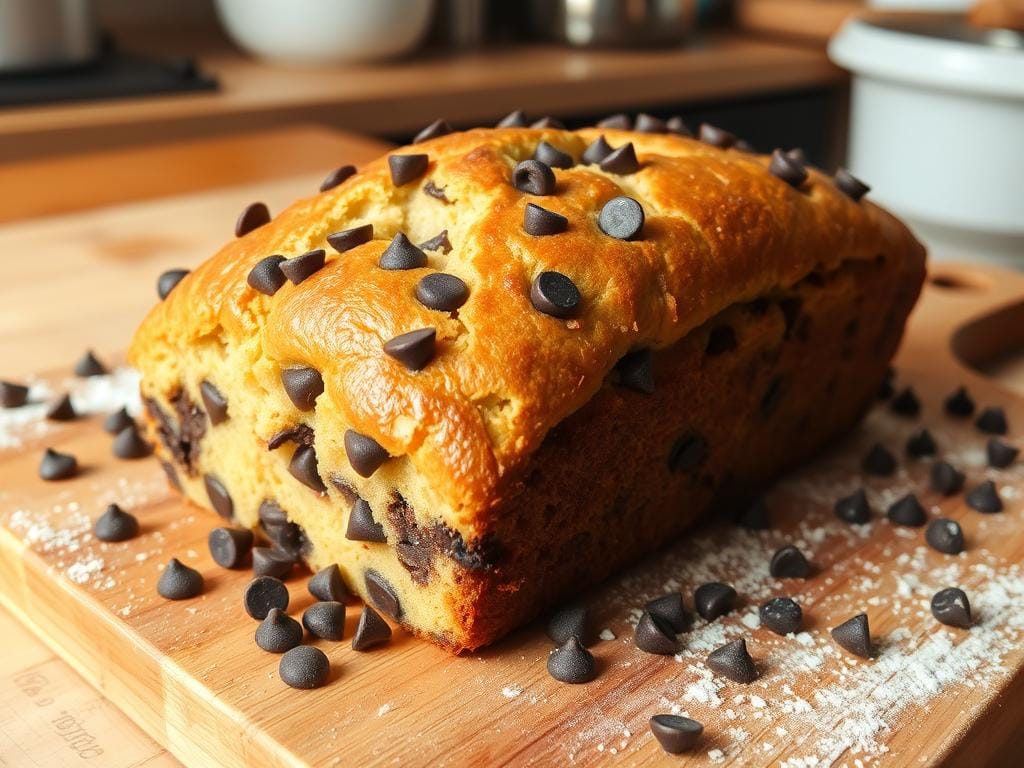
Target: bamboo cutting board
x=190, y=675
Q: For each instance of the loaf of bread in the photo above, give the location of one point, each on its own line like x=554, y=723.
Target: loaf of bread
x=499, y=365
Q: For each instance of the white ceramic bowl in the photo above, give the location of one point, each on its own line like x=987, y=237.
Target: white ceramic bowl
x=315, y=32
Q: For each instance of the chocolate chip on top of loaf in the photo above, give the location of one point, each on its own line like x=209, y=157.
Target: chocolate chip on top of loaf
x=494, y=368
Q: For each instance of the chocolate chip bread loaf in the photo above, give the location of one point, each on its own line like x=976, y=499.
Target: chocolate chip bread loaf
x=499, y=364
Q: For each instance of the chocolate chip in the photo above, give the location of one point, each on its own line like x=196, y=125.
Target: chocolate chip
x=621, y=161
x=515, y=119
x=13, y=395
x=668, y=610
x=854, y=635
x=921, y=443
x=548, y=122
x=621, y=217
x=716, y=137
x=432, y=131
x=272, y=563
x=229, y=547
x=714, y=599
x=254, y=215
x=649, y=124
x=219, y=497
x=878, y=461
x=569, y=622
x=984, y=498
x=362, y=526
x=327, y=585
x=303, y=467
x=337, y=176
x=364, y=453
x=179, y=582
x=371, y=631
x=787, y=168
x=733, y=661
x=678, y=126
x=129, y=444
x=267, y=277
x=907, y=510
x=992, y=421
x=305, y=667
x=262, y=594
x=115, y=525
x=438, y=242
x=654, y=636
x=946, y=479
x=406, y=168
x=854, y=508
x=534, y=178
x=325, y=619
x=216, y=404
x=959, y=404
x=347, y=239
x=168, y=280
x=688, y=452
x=597, y=151
x=303, y=386
x=788, y=562
x=549, y=155
x=636, y=371
x=62, y=410
x=304, y=266
x=57, y=466
x=1000, y=455
x=402, y=254
x=279, y=632
x=782, y=615
x=906, y=403
x=554, y=294
x=413, y=349
x=797, y=154
x=540, y=222
x=442, y=292
x=675, y=733
x=951, y=607
x=382, y=594
x=89, y=365
x=436, y=192
x=945, y=535
x=850, y=185
x=754, y=517
x=300, y=434
x=619, y=122
x=572, y=663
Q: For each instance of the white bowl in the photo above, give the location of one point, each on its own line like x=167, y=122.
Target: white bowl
x=308, y=32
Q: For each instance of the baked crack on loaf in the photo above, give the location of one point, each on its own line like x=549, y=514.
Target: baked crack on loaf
x=584, y=354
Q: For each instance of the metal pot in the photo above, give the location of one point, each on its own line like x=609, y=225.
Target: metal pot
x=46, y=34
x=614, y=23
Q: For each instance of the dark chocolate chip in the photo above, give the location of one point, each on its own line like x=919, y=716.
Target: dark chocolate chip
x=263, y=593
x=216, y=404
x=432, y=131
x=621, y=217
x=534, y=178
x=305, y=667
x=854, y=508
x=678, y=126
x=688, y=452
x=13, y=395
x=654, y=636
x=515, y=119
x=303, y=467
x=905, y=403
x=129, y=444
x=907, y=510
x=714, y=599
x=984, y=498
x=371, y=631
x=441, y=291
x=179, y=582
x=406, y=168
x=597, y=151
x=572, y=663
x=782, y=615
x=273, y=563
x=230, y=547
x=797, y=154
x=540, y=222
x=619, y=122
x=62, y=410
x=716, y=137
x=549, y=155
x=89, y=365
x=788, y=562
x=254, y=215
x=325, y=619
x=219, y=497
x=168, y=280
x=327, y=584
x=382, y=594
x=1000, y=455
x=787, y=168
x=436, y=192
x=438, y=242
x=300, y=434
x=347, y=239
x=569, y=622
x=57, y=466
x=733, y=661
x=621, y=161
x=337, y=176
x=854, y=635
x=272, y=515
x=879, y=461
x=364, y=453
x=636, y=371
x=946, y=479
x=362, y=526
x=303, y=386
x=959, y=404
x=675, y=733
x=992, y=421
x=754, y=517
x=945, y=535
x=721, y=339
x=267, y=277
x=951, y=607
x=850, y=185
x=304, y=266
x=668, y=610
x=548, y=122
x=115, y=525
x=742, y=145
x=279, y=632
x=402, y=254
x=921, y=443
x=554, y=294
x=649, y=124
x=413, y=349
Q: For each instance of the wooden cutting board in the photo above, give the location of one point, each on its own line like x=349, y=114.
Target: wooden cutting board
x=190, y=675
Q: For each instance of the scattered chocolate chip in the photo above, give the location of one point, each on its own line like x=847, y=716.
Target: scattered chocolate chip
x=279, y=632
x=716, y=137
x=371, y=631
x=619, y=122
x=733, y=661
x=89, y=365
x=303, y=467
x=304, y=266
x=179, y=582
x=515, y=119
x=252, y=217
x=438, y=242
x=714, y=599
x=347, y=239
x=554, y=294
x=951, y=607
x=654, y=636
x=754, y=517
x=272, y=563
x=115, y=525
x=432, y=131
x=442, y=291
x=413, y=349
x=782, y=615
x=549, y=155
x=688, y=452
x=402, y=254
x=597, y=151
x=300, y=434
x=649, y=124
x=850, y=185
x=854, y=635
x=946, y=479
x=229, y=547
x=548, y=122
x=264, y=593
x=62, y=410
x=959, y=404
x=879, y=461
x=636, y=371
x=945, y=535
x=905, y=403
x=921, y=443
x=742, y=145
x=787, y=168
x=678, y=126
x=216, y=404
x=788, y=562
x=364, y=453
x=168, y=280
x=337, y=176
x=540, y=222
x=569, y=622
x=1000, y=454
x=621, y=161
x=406, y=168
x=129, y=444
x=436, y=192
x=992, y=421
x=984, y=498
x=797, y=154
x=572, y=663
x=854, y=508
x=362, y=526
x=325, y=619
x=534, y=178
x=305, y=667
x=57, y=466
x=382, y=594
x=327, y=585
x=675, y=733
x=13, y=395
x=303, y=386
x=219, y=497
x=907, y=510
x=621, y=217
x=267, y=277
